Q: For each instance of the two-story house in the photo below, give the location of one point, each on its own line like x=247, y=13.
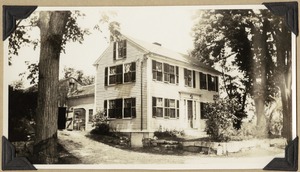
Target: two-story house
x=144, y=87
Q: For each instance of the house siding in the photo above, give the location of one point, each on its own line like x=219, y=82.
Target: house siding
x=125, y=90
x=144, y=88
x=179, y=92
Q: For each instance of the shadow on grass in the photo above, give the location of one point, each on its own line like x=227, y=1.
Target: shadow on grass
x=65, y=157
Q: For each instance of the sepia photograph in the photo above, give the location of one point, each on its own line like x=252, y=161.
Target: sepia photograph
x=150, y=87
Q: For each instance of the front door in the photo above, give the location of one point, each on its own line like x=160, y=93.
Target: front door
x=190, y=113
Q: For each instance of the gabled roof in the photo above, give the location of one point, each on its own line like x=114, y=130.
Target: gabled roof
x=82, y=91
x=162, y=51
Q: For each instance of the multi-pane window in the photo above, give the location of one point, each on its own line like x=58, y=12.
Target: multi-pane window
x=169, y=73
x=170, y=108
x=157, y=70
x=212, y=82
x=157, y=105
x=119, y=50
x=203, y=81
x=115, y=74
x=120, y=108
x=187, y=77
x=167, y=108
x=129, y=72
x=115, y=108
x=129, y=108
x=165, y=72
x=203, y=114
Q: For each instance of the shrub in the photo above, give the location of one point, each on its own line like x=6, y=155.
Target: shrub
x=167, y=134
x=220, y=119
x=100, y=123
x=101, y=129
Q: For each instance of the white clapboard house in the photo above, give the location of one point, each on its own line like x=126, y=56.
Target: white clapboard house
x=144, y=87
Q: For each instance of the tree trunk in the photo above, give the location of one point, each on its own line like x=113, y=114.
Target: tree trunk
x=261, y=128
x=286, y=93
x=283, y=49
x=52, y=27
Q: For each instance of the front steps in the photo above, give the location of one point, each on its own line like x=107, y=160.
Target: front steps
x=194, y=133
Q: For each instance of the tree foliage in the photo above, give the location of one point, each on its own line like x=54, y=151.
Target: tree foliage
x=220, y=119
x=78, y=75
x=260, y=45
x=57, y=28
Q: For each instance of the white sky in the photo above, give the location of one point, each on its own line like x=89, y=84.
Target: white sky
x=170, y=26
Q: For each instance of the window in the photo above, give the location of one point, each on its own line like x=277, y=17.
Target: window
x=119, y=50
x=166, y=73
x=129, y=108
x=106, y=77
x=157, y=70
x=90, y=115
x=188, y=77
x=157, y=105
x=115, y=108
x=105, y=108
x=170, y=108
x=169, y=73
x=212, y=82
x=177, y=108
x=129, y=72
x=203, y=81
x=203, y=114
x=116, y=74
x=177, y=75
x=167, y=108
x=194, y=79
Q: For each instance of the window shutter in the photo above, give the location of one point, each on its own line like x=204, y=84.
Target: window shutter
x=177, y=110
x=177, y=74
x=153, y=107
x=166, y=72
x=105, y=107
x=153, y=65
x=209, y=82
x=124, y=48
x=217, y=83
x=133, y=112
x=119, y=107
x=119, y=74
x=133, y=73
x=166, y=102
x=114, y=51
x=200, y=80
x=154, y=73
x=153, y=101
x=132, y=67
x=106, y=76
x=194, y=79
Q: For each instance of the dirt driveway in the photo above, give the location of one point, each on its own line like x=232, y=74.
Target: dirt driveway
x=92, y=152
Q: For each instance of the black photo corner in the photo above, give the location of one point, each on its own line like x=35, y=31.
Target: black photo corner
x=289, y=10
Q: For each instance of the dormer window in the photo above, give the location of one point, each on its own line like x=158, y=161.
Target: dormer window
x=120, y=50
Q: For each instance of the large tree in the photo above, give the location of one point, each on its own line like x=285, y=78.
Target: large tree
x=260, y=44
x=56, y=29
